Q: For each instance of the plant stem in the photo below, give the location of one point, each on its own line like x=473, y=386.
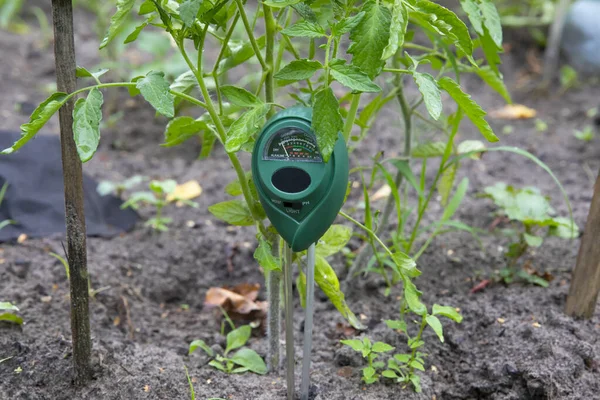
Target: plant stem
x=351, y=116
x=250, y=33
x=269, y=66
x=416, y=339
x=215, y=73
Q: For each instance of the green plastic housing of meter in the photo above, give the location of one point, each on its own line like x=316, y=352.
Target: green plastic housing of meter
x=301, y=194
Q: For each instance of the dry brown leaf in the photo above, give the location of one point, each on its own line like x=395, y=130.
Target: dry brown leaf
x=230, y=301
x=514, y=111
x=186, y=191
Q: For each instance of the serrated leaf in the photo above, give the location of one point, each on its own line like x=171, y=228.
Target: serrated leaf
x=429, y=150
x=304, y=29
x=201, y=344
x=327, y=121
x=397, y=29
x=87, y=115
x=155, y=90
x=370, y=37
x=353, y=78
x=471, y=8
x=491, y=51
x=240, y=55
x=240, y=96
x=491, y=21
x=448, y=312
x=117, y=20
x=564, y=228
x=38, y=119
x=493, y=80
x=298, y=70
x=242, y=130
x=431, y=93
x=435, y=324
x=234, y=212
x=264, y=256
x=237, y=338
x=180, y=129
x=446, y=22
x=8, y=317
x=446, y=183
x=82, y=72
x=356, y=345
x=132, y=37
x=403, y=261
x=327, y=280
x=188, y=11
x=347, y=24
x=381, y=347
x=473, y=111
x=8, y=306
x=334, y=240
x=250, y=359
x=411, y=295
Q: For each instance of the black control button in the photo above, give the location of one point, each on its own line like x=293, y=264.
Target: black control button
x=295, y=205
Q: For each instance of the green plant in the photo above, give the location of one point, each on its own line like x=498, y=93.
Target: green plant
x=3, y=190
x=243, y=360
x=117, y=188
x=92, y=292
x=9, y=316
x=160, y=195
x=587, y=134
x=370, y=352
x=532, y=219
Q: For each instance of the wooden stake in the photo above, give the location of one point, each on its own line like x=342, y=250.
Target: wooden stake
x=64, y=53
x=552, y=55
x=585, y=284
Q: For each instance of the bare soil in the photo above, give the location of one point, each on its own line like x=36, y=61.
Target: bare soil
x=514, y=343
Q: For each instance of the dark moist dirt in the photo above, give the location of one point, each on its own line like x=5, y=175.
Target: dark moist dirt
x=514, y=343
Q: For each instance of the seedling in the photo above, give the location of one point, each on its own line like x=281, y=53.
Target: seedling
x=3, y=190
x=117, y=188
x=532, y=219
x=243, y=360
x=370, y=352
x=160, y=195
x=9, y=316
x=587, y=134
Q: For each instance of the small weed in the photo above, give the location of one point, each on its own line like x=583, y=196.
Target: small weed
x=587, y=134
x=9, y=316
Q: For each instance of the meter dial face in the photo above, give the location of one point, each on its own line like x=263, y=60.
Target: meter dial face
x=292, y=144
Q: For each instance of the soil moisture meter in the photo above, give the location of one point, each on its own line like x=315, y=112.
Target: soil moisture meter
x=301, y=195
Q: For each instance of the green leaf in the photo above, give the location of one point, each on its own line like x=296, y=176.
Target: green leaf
x=416, y=381
x=356, y=345
x=454, y=203
x=327, y=121
x=491, y=52
x=155, y=90
x=298, y=70
x=411, y=294
x=431, y=93
x=180, y=129
x=240, y=96
x=397, y=29
x=240, y=55
x=381, y=347
x=404, y=169
x=201, y=344
x=86, y=124
x=396, y=324
x=188, y=11
x=301, y=288
x=38, y=119
x=132, y=37
x=470, y=146
x=243, y=129
x=370, y=37
x=403, y=261
x=248, y=358
x=429, y=150
x=264, y=256
x=388, y=373
x=237, y=338
x=123, y=9
x=402, y=358
x=447, y=23
x=369, y=372
x=8, y=306
x=417, y=365
x=436, y=325
x=470, y=108
x=352, y=77
x=564, y=228
x=471, y=8
x=334, y=240
x=304, y=29
x=217, y=365
x=8, y=317
x=328, y=281
x=493, y=80
x=81, y=72
x=448, y=312
x=347, y=24
x=532, y=240
x=208, y=140
x=234, y=212
x=446, y=183
x=163, y=187
x=280, y=3
x=491, y=21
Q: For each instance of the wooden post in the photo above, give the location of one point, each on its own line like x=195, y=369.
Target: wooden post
x=64, y=53
x=552, y=55
x=585, y=284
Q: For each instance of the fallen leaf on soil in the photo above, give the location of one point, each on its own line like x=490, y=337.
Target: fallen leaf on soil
x=345, y=372
x=2, y=260
x=345, y=329
x=547, y=276
x=186, y=191
x=514, y=111
x=480, y=286
x=147, y=388
x=22, y=238
x=117, y=321
x=501, y=320
x=46, y=299
x=382, y=193
x=536, y=325
x=239, y=299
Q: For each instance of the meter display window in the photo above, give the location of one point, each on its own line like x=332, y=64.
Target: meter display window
x=292, y=144
x=291, y=180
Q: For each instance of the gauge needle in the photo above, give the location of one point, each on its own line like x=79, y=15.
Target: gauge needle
x=286, y=153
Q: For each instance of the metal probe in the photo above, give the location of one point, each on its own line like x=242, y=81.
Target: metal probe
x=308, y=322
x=289, y=321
